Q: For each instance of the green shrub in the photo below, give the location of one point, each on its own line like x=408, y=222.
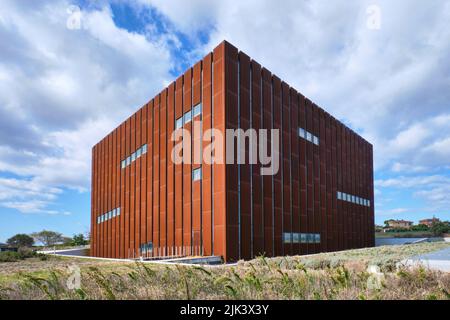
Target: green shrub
x=9, y=256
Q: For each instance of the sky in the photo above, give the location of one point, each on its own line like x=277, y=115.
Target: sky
x=71, y=71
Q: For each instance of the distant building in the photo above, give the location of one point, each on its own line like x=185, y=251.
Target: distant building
x=429, y=222
x=402, y=224
x=5, y=247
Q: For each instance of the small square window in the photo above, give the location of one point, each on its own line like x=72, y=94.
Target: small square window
x=303, y=238
x=197, y=174
x=179, y=123
x=144, y=149
x=187, y=116
x=316, y=140
x=197, y=110
x=286, y=237
x=317, y=238
x=138, y=153
x=302, y=133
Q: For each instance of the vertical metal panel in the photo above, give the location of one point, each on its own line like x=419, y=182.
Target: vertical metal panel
x=302, y=173
x=113, y=194
x=267, y=179
x=150, y=139
x=310, y=175
x=316, y=173
x=127, y=189
x=219, y=169
x=245, y=172
x=170, y=168
x=277, y=192
x=137, y=186
x=196, y=159
x=156, y=165
x=232, y=170
x=206, y=167
x=256, y=107
x=122, y=194
x=144, y=157
x=179, y=170
x=132, y=211
x=295, y=191
x=286, y=158
x=329, y=178
x=163, y=171
x=118, y=194
x=94, y=214
x=187, y=167
x=323, y=181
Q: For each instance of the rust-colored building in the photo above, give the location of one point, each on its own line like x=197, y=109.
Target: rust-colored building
x=429, y=222
x=143, y=204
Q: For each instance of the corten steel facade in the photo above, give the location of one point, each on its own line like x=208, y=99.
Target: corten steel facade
x=321, y=199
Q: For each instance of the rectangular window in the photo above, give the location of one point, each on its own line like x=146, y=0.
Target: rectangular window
x=110, y=215
x=187, y=117
x=133, y=157
x=179, y=123
x=114, y=213
x=197, y=110
x=123, y=164
x=368, y=203
x=98, y=220
x=144, y=149
x=302, y=133
x=296, y=238
x=353, y=199
x=128, y=161
x=303, y=238
x=339, y=195
x=286, y=237
x=197, y=174
x=309, y=136
x=316, y=140
x=138, y=153
x=310, y=238
x=317, y=238
x=118, y=211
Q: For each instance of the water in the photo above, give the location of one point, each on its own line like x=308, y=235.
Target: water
x=394, y=241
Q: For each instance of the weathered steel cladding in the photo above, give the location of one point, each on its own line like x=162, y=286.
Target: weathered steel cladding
x=233, y=211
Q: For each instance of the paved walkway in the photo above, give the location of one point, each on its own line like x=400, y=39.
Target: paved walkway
x=438, y=260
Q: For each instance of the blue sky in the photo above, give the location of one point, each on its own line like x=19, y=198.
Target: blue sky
x=69, y=77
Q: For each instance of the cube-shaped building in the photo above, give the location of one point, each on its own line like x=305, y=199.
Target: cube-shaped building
x=147, y=204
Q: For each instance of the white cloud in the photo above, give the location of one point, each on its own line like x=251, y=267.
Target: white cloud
x=62, y=91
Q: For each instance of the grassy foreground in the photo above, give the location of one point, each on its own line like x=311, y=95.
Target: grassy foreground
x=341, y=275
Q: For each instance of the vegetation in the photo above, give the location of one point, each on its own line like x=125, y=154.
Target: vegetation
x=48, y=238
x=438, y=228
x=22, y=254
x=20, y=240
x=341, y=275
x=79, y=240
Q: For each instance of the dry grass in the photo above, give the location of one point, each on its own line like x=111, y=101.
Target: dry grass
x=340, y=275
